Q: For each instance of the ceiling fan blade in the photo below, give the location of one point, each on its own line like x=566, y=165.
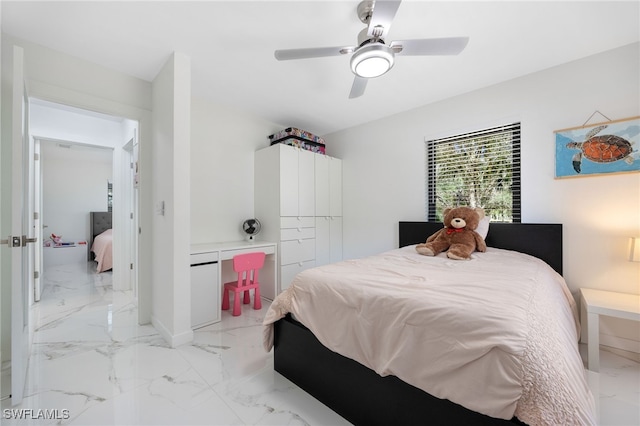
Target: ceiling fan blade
x=383, y=13
x=357, y=89
x=431, y=46
x=313, y=52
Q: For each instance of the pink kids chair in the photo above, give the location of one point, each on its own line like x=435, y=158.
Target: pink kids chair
x=247, y=266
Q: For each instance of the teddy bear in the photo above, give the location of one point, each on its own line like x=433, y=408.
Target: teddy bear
x=458, y=236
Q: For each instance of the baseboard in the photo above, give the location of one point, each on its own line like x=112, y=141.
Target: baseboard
x=182, y=339
x=621, y=343
x=626, y=348
x=174, y=340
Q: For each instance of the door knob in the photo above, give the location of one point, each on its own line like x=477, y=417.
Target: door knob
x=15, y=241
x=26, y=240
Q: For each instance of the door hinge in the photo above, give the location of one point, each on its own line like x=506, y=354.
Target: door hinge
x=36, y=275
x=131, y=215
x=36, y=215
x=36, y=156
x=131, y=266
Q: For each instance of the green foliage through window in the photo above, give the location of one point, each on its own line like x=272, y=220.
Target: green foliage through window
x=479, y=169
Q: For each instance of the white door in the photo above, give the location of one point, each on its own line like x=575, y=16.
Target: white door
x=129, y=206
x=322, y=185
x=335, y=239
x=323, y=240
x=288, y=181
x=306, y=183
x=335, y=186
x=15, y=205
x=37, y=220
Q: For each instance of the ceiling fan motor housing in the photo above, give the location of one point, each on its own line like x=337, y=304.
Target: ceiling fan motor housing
x=372, y=58
x=364, y=10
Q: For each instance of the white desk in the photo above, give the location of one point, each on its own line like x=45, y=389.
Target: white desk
x=64, y=255
x=599, y=302
x=211, y=266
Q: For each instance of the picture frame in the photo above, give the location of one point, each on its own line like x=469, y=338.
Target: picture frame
x=602, y=148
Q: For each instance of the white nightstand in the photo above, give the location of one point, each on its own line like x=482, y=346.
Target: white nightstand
x=599, y=302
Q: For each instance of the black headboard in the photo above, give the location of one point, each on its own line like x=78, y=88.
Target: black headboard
x=543, y=241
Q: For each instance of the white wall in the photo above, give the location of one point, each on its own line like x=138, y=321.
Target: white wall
x=74, y=184
x=54, y=121
x=223, y=141
x=384, y=162
x=171, y=154
x=59, y=77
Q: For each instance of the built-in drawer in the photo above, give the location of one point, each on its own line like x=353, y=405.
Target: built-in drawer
x=297, y=233
x=297, y=221
x=208, y=257
x=288, y=272
x=296, y=251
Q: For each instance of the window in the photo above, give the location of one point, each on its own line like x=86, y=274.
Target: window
x=478, y=169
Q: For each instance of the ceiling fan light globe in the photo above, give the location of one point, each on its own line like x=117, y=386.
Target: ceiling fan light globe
x=372, y=60
x=372, y=67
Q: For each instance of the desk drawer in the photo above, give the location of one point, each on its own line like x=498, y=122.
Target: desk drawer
x=296, y=251
x=228, y=254
x=199, y=258
x=297, y=222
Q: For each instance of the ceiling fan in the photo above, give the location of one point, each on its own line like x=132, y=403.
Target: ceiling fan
x=372, y=57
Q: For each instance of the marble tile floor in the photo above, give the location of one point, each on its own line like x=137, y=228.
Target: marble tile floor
x=95, y=365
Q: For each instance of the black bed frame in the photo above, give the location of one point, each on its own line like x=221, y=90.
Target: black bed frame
x=359, y=394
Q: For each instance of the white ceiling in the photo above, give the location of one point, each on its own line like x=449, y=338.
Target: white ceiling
x=231, y=46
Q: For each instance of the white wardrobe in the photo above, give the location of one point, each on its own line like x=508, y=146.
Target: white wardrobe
x=298, y=200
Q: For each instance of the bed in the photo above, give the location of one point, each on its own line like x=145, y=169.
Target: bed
x=382, y=352
x=101, y=240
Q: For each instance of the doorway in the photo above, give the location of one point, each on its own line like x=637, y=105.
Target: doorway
x=62, y=130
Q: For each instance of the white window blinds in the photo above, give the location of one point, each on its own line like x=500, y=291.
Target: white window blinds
x=478, y=169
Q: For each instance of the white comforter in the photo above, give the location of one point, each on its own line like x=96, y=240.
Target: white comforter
x=497, y=334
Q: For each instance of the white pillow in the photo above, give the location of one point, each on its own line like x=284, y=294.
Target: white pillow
x=483, y=227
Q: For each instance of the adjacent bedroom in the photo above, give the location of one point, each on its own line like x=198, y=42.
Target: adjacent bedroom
x=76, y=207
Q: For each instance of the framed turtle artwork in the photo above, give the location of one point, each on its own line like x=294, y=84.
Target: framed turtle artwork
x=610, y=147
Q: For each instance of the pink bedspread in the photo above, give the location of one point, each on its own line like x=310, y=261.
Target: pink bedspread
x=103, y=249
x=497, y=334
